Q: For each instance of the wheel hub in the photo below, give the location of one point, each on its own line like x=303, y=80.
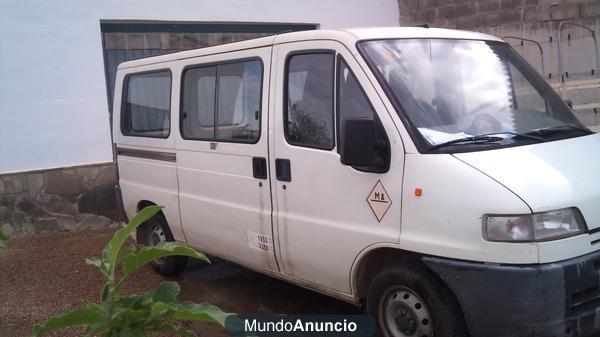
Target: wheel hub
x=405, y=314
x=405, y=319
x=157, y=236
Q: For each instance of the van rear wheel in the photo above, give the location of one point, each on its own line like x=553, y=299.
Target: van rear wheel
x=155, y=231
x=408, y=301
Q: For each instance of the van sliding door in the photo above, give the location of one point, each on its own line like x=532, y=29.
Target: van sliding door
x=222, y=155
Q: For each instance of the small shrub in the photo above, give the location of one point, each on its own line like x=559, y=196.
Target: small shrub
x=120, y=315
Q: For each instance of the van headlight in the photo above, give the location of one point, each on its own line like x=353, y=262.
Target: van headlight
x=543, y=226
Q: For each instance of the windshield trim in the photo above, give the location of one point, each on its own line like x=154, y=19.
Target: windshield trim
x=418, y=139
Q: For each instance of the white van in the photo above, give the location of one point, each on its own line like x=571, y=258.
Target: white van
x=429, y=174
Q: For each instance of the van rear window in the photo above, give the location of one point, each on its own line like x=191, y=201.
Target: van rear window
x=222, y=102
x=146, y=105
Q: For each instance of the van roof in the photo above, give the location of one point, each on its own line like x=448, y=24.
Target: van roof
x=349, y=36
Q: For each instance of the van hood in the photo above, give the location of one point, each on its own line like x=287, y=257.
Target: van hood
x=548, y=176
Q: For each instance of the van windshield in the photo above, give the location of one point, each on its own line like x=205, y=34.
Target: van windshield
x=468, y=95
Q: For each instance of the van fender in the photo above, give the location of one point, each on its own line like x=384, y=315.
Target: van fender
x=357, y=264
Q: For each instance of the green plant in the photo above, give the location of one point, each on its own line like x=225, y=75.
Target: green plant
x=2, y=239
x=135, y=315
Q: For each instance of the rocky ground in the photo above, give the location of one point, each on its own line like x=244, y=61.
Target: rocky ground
x=43, y=275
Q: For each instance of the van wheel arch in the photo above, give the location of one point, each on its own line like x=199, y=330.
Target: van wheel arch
x=141, y=205
x=167, y=266
x=375, y=262
x=384, y=259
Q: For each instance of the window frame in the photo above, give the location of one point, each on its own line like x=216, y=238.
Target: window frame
x=216, y=64
x=288, y=57
x=376, y=118
x=125, y=93
x=339, y=60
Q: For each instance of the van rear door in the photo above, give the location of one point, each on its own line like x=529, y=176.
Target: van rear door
x=222, y=155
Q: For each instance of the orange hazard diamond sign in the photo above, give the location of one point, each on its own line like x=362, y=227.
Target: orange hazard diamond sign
x=379, y=200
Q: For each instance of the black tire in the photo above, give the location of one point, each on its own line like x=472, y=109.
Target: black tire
x=410, y=292
x=154, y=231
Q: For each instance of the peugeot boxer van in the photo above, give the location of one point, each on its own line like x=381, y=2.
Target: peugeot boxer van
x=431, y=175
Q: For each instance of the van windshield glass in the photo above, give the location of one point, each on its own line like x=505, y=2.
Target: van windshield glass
x=468, y=95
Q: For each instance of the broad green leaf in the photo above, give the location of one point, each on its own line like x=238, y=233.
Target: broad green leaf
x=104, y=292
x=125, y=253
x=111, y=252
x=163, y=249
x=102, y=265
x=160, y=308
x=99, y=326
x=2, y=239
x=133, y=331
x=84, y=316
x=141, y=301
x=130, y=315
x=189, y=311
x=166, y=292
x=93, y=262
x=175, y=329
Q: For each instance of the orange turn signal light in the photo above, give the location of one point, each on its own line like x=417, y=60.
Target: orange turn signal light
x=418, y=192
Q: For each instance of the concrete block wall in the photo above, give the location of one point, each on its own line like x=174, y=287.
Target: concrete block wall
x=59, y=199
x=536, y=20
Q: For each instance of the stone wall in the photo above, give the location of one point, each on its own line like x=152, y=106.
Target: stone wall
x=59, y=199
x=485, y=14
x=536, y=20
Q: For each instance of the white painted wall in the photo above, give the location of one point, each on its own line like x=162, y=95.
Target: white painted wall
x=53, y=108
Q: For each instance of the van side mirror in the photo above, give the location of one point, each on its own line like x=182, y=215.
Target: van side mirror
x=358, y=145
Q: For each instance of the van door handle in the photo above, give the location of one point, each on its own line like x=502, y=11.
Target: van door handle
x=259, y=167
x=283, y=170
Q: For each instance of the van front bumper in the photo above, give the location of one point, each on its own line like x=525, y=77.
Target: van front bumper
x=555, y=299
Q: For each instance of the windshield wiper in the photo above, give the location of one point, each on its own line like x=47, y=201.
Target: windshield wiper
x=488, y=138
x=519, y=135
x=558, y=128
x=480, y=139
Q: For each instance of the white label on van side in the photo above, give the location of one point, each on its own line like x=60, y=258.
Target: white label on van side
x=379, y=201
x=260, y=241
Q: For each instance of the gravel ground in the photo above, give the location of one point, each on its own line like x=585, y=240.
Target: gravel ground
x=41, y=276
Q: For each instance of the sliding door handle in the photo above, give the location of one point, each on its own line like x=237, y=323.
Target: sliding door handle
x=259, y=167
x=283, y=169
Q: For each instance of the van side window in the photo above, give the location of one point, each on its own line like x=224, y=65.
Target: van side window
x=353, y=103
x=239, y=101
x=308, y=115
x=222, y=102
x=146, y=108
x=198, y=113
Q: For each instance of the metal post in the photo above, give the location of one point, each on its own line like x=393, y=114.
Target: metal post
x=532, y=41
x=560, y=58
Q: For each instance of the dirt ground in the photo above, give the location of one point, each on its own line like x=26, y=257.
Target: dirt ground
x=43, y=275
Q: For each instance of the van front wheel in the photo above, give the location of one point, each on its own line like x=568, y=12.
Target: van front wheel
x=155, y=231
x=408, y=301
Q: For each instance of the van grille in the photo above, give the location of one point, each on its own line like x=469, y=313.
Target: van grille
x=586, y=297
x=585, y=300
x=594, y=235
